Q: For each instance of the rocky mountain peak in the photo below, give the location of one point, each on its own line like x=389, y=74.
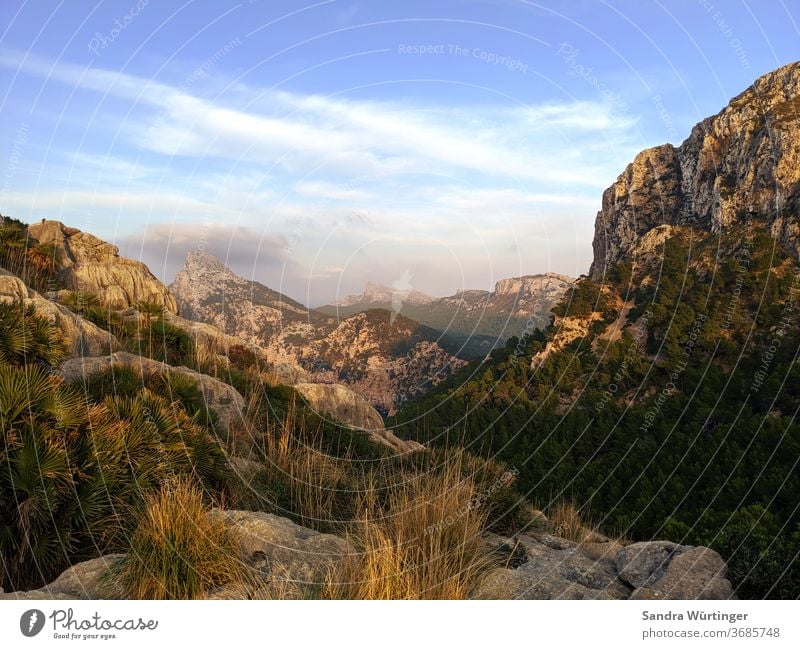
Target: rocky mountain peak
x=739, y=165
x=375, y=293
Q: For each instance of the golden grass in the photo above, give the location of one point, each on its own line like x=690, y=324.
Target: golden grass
x=312, y=481
x=178, y=551
x=565, y=521
x=426, y=543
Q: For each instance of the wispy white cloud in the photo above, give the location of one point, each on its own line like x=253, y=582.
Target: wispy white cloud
x=328, y=175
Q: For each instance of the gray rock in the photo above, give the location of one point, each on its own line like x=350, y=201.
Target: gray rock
x=664, y=570
x=85, y=580
x=639, y=562
x=554, y=568
x=284, y=552
x=82, y=581
x=549, y=567
x=349, y=408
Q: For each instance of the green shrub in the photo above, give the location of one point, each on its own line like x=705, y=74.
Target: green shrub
x=28, y=338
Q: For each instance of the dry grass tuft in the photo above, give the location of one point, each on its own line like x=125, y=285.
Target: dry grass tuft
x=426, y=543
x=565, y=521
x=178, y=551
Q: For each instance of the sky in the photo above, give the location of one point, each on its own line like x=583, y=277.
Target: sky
x=315, y=146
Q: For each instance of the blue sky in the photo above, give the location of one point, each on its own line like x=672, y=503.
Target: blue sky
x=315, y=146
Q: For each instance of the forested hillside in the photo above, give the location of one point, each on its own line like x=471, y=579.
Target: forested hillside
x=679, y=424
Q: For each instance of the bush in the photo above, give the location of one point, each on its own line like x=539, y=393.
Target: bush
x=28, y=338
x=179, y=550
x=74, y=472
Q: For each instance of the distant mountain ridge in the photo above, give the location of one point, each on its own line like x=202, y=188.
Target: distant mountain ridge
x=472, y=321
x=208, y=291
x=380, y=294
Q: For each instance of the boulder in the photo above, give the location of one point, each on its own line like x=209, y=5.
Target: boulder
x=283, y=552
x=664, y=570
x=82, y=581
x=83, y=337
x=549, y=567
x=542, y=566
x=220, y=397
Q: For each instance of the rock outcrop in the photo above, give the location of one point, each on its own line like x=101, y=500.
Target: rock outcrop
x=665, y=570
x=82, y=337
x=741, y=164
x=549, y=567
x=91, y=265
x=220, y=397
x=347, y=407
x=291, y=561
x=284, y=553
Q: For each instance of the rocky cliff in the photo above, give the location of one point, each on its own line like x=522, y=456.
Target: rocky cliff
x=741, y=164
x=88, y=264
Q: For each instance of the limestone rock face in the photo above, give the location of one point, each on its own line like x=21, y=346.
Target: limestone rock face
x=222, y=398
x=740, y=164
x=82, y=336
x=89, y=264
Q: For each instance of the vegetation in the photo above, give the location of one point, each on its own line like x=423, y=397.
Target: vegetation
x=179, y=550
x=682, y=428
x=426, y=542
x=75, y=470
x=687, y=431
x=36, y=264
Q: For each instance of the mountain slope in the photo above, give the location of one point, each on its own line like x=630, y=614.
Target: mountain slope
x=665, y=394
x=208, y=291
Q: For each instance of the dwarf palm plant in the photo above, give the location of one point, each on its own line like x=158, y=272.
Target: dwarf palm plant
x=28, y=338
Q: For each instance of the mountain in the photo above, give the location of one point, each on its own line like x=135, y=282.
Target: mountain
x=471, y=322
x=383, y=296
x=741, y=164
x=208, y=291
x=385, y=358
x=665, y=394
